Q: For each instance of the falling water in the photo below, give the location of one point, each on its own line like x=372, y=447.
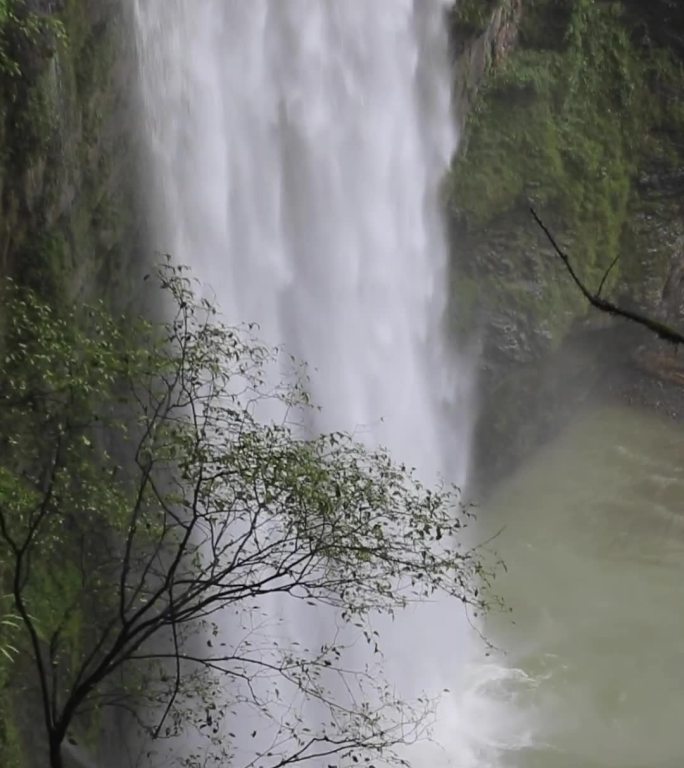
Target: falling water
x=296, y=151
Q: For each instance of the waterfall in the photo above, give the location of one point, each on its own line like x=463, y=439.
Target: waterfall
x=296, y=150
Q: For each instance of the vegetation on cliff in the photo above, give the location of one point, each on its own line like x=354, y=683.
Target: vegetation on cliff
x=571, y=120
x=67, y=223
x=580, y=118
x=156, y=491
x=65, y=211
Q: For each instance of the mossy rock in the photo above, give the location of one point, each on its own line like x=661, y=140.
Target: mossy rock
x=471, y=17
x=582, y=122
x=565, y=127
x=69, y=206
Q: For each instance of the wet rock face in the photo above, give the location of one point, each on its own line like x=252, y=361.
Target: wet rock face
x=673, y=290
x=479, y=47
x=659, y=23
x=575, y=108
x=67, y=178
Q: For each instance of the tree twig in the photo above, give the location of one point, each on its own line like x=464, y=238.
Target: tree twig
x=607, y=273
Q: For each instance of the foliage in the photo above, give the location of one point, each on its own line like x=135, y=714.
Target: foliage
x=157, y=495
x=68, y=209
x=472, y=16
x=28, y=41
x=23, y=33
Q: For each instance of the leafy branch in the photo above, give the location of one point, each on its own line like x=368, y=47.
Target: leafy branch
x=158, y=498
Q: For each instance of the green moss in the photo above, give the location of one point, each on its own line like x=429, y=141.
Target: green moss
x=465, y=291
x=67, y=222
x=472, y=16
x=547, y=126
x=11, y=752
x=565, y=124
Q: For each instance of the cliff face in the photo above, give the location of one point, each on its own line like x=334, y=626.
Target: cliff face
x=575, y=108
x=67, y=224
x=68, y=219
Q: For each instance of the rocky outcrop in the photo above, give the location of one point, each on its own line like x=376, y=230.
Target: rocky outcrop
x=67, y=180
x=481, y=39
x=573, y=107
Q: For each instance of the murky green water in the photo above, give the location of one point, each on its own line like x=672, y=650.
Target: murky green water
x=593, y=537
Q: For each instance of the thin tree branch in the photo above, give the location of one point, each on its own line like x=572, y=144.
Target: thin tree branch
x=177, y=668
x=661, y=330
x=607, y=273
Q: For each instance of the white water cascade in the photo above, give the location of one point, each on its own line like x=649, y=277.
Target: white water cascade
x=296, y=149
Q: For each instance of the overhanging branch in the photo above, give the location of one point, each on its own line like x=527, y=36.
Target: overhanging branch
x=663, y=331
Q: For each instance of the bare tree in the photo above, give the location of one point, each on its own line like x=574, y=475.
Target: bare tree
x=159, y=503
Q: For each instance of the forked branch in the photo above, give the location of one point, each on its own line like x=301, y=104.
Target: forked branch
x=663, y=331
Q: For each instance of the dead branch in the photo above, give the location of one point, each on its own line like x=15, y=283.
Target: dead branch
x=661, y=330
